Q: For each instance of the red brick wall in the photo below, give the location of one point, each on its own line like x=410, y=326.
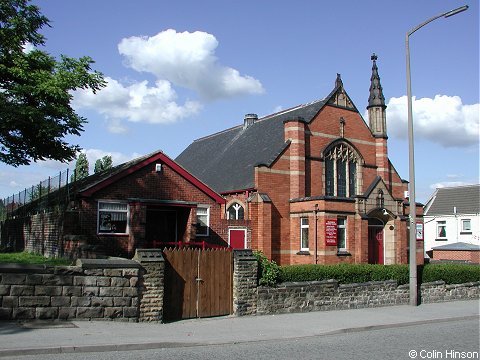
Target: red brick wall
x=470, y=256
x=147, y=184
x=283, y=181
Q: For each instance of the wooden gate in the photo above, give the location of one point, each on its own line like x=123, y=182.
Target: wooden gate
x=198, y=283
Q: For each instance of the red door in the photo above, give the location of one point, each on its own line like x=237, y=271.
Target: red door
x=375, y=245
x=236, y=238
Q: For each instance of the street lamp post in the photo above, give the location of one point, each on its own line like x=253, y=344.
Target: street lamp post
x=411, y=162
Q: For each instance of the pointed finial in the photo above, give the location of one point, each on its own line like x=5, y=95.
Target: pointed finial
x=338, y=81
x=376, y=97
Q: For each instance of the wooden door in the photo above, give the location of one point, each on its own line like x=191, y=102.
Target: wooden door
x=236, y=238
x=198, y=283
x=375, y=245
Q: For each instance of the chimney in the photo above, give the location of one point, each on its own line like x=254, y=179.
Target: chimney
x=249, y=119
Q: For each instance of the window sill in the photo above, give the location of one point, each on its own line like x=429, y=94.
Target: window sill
x=343, y=253
x=441, y=239
x=303, y=252
x=465, y=233
x=112, y=234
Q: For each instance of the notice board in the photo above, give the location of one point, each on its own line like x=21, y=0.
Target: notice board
x=331, y=232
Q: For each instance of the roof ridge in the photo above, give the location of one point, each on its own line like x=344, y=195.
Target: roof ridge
x=218, y=133
x=458, y=186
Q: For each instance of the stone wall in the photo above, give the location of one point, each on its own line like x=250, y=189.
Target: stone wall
x=329, y=295
x=92, y=290
x=151, y=284
x=244, y=283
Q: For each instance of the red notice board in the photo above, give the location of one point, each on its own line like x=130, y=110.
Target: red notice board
x=331, y=232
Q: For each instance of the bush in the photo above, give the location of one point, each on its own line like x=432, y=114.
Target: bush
x=451, y=273
x=359, y=273
x=345, y=273
x=268, y=271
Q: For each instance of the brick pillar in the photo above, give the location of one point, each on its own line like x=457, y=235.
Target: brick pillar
x=151, y=286
x=383, y=167
x=245, y=270
x=295, y=132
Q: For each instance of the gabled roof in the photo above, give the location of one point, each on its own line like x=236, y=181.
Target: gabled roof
x=226, y=160
x=465, y=199
x=91, y=184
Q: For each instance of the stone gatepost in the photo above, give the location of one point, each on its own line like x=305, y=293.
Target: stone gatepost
x=245, y=271
x=151, y=286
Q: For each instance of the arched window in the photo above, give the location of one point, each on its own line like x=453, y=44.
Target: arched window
x=235, y=212
x=341, y=171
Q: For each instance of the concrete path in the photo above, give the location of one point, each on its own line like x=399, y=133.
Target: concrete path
x=46, y=337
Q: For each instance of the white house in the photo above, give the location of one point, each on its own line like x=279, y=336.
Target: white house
x=452, y=216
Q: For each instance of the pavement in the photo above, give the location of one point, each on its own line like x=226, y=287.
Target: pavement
x=52, y=337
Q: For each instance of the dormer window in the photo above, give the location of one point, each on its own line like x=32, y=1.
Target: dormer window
x=341, y=171
x=235, y=212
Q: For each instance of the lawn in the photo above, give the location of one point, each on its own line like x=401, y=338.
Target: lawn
x=31, y=258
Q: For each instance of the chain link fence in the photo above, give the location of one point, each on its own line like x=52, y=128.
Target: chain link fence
x=41, y=191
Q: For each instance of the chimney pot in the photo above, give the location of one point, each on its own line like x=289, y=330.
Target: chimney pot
x=249, y=119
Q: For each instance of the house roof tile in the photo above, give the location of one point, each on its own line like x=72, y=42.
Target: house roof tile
x=465, y=200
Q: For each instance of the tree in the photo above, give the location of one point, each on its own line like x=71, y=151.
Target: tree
x=81, y=168
x=103, y=164
x=36, y=90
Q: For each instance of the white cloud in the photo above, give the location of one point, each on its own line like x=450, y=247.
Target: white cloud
x=28, y=47
x=443, y=120
x=136, y=102
x=188, y=60
x=117, y=158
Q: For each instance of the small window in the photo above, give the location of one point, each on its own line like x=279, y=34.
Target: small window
x=466, y=226
x=304, y=227
x=342, y=234
x=235, y=212
x=112, y=218
x=203, y=220
x=441, y=229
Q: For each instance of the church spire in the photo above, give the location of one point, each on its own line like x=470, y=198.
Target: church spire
x=376, y=104
x=376, y=97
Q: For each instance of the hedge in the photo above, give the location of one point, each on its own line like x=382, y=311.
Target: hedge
x=359, y=273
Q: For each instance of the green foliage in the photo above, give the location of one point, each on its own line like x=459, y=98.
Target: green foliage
x=31, y=258
x=359, y=273
x=451, y=273
x=81, y=168
x=345, y=273
x=268, y=271
x=103, y=164
x=36, y=90
x=37, y=192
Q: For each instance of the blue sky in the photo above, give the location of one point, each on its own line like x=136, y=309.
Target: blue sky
x=180, y=70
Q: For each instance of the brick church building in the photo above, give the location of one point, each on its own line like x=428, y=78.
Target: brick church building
x=310, y=184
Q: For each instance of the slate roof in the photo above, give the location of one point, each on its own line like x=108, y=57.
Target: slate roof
x=226, y=160
x=466, y=199
x=459, y=246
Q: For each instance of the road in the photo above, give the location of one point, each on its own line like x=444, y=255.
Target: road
x=455, y=339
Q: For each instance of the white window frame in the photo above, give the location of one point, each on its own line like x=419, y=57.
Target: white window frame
x=440, y=223
x=127, y=211
x=342, y=226
x=244, y=235
x=466, y=231
x=207, y=207
x=304, y=226
x=236, y=206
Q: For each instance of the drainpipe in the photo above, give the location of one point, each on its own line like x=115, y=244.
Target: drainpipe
x=316, y=236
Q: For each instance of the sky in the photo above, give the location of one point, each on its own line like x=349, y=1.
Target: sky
x=180, y=70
